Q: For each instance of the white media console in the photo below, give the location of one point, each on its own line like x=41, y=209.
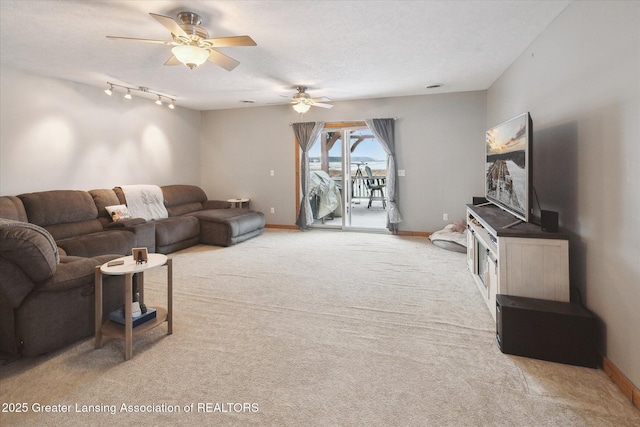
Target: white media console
x=520, y=260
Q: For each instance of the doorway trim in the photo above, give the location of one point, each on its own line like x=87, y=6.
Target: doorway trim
x=343, y=126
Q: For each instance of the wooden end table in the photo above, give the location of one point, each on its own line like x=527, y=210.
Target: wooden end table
x=128, y=269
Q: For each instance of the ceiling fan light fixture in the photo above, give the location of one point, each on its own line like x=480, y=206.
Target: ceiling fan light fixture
x=301, y=107
x=191, y=56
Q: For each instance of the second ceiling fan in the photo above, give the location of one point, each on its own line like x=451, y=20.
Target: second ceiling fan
x=302, y=101
x=191, y=43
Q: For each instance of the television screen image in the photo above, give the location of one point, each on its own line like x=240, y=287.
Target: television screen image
x=507, y=166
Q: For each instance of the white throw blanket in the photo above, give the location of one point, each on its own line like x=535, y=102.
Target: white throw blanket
x=145, y=201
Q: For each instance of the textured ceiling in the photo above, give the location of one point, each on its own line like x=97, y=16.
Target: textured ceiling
x=340, y=49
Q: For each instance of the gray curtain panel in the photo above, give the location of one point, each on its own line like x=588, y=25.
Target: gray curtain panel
x=306, y=133
x=383, y=130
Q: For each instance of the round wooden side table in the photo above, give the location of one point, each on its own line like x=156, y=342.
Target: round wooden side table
x=128, y=268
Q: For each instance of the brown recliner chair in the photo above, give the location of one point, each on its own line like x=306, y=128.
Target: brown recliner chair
x=46, y=300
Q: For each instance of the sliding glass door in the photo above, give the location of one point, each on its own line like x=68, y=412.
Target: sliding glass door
x=348, y=168
x=368, y=169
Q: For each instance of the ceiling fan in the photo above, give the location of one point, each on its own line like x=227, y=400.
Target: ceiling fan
x=191, y=43
x=302, y=101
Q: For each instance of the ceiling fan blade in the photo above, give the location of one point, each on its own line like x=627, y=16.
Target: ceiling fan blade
x=173, y=61
x=170, y=25
x=223, y=60
x=231, y=41
x=321, y=105
x=321, y=99
x=165, y=42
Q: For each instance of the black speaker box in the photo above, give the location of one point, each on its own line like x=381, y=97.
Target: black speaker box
x=549, y=220
x=548, y=330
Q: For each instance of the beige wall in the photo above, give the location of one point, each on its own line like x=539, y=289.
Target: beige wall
x=581, y=82
x=439, y=144
x=56, y=134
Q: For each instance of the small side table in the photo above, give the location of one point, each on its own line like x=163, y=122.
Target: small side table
x=128, y=269
x=239, y=203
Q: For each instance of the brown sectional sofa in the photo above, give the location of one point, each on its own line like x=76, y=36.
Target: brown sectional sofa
x=51, y=242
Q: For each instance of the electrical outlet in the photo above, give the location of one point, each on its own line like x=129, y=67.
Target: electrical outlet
x=273, y=210
x=400, y=172
x=445, y=217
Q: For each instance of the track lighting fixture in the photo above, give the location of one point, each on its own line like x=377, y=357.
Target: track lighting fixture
x=109, y=91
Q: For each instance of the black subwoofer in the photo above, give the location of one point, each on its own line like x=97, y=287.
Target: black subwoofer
x=548, y=330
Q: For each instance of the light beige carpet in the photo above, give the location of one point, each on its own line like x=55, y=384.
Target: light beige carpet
x=314, y=328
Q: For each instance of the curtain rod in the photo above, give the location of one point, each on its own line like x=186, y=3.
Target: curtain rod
x=350, y=121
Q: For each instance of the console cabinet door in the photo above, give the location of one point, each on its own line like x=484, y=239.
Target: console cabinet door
x=534, y=268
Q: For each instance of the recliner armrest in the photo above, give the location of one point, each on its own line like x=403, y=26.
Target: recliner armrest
x=145, y=233
x=73, y=272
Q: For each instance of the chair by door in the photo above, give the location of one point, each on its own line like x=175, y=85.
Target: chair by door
x=375, y=185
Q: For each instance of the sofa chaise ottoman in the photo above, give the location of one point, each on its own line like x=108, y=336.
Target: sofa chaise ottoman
x=220, y=224
x=226, y=227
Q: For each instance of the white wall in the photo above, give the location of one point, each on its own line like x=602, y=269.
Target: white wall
x=439, y=143
x=55, y=134
x=581, y=82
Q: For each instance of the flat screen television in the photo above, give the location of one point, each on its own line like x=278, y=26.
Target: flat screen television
x=508, y=166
